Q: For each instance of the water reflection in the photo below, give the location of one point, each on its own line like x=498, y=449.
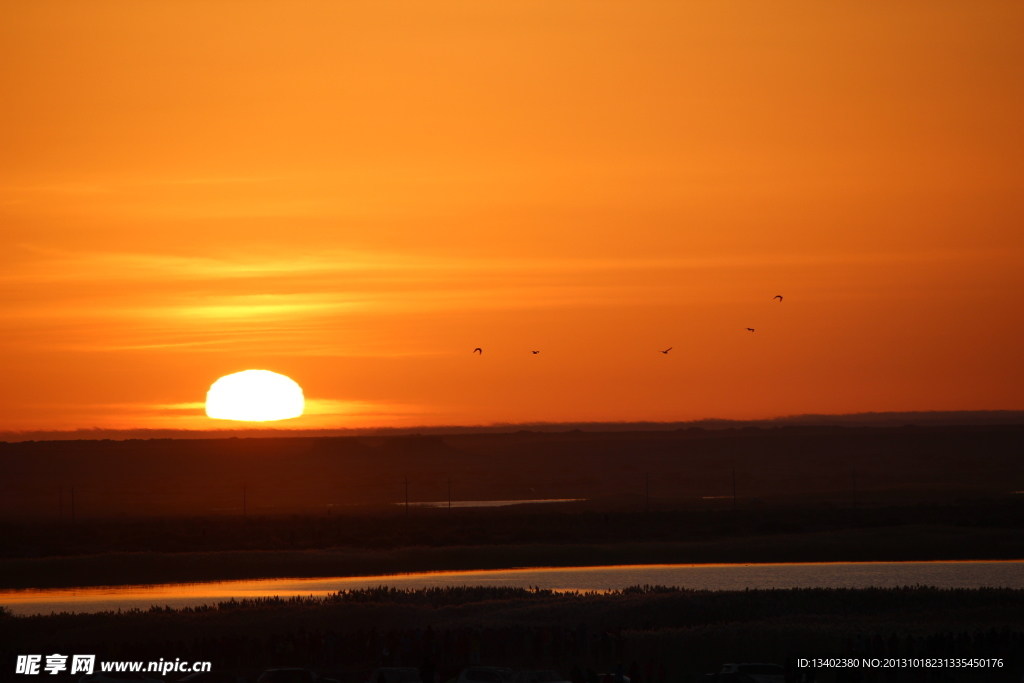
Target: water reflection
x=488, y=503
x=711, y=577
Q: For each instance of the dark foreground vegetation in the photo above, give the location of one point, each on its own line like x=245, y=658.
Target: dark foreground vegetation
x=658, y=635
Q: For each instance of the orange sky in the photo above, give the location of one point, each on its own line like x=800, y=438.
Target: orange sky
x=357, y=194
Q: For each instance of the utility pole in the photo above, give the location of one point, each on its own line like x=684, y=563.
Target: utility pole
x=407, y=497
x=244, y=506
x=854, y=489
x=734, y=489
x=449, y=494
x=72, y=505
x=60, y=502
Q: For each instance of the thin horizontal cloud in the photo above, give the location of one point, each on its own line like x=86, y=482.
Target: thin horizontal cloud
x=350, y=304
x=55, y=188
x=319, y=413
x=40, y=265
x=335, y=407
x=195, y=405
x=313, y=406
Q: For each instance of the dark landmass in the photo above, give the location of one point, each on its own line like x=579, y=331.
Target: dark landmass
x=683, y=469
x=893, y=544
x=596, y=522
x=659, y=635
x=179, y=510
x=188, y=510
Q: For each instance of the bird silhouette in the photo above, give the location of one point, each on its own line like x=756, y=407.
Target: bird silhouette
x=535, y=352
x=750, y=329
x=779, y=297
x=478, y=350
x=667, y=350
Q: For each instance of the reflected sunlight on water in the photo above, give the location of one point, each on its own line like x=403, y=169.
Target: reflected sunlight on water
x=976, y=574
x=488, y=503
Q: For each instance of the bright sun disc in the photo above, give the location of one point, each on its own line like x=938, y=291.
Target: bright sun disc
x=254, y=396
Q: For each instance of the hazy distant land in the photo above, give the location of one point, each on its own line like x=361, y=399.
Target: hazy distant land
x=871, y=419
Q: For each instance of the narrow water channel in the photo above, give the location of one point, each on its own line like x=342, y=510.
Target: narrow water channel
x=973, y=574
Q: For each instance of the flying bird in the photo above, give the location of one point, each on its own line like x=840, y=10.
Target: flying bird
x=779, y=297
x=535, y=352
x=750, y=329
x=478, y=350
x=667, y=350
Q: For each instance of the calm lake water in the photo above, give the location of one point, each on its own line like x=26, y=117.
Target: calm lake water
x=488, y=503
x=707, y=576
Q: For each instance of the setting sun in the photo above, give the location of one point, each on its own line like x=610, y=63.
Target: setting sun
x=254, y=396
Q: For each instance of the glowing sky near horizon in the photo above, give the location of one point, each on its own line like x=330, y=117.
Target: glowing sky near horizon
x=356, y=195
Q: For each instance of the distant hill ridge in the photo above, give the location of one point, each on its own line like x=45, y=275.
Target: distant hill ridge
x=882, y=419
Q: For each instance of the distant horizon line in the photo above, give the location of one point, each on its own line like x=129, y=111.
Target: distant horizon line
x=864, y=419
